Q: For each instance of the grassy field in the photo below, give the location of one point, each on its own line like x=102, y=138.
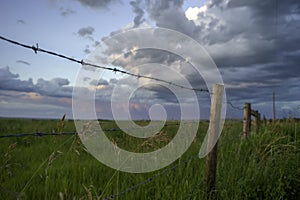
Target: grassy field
x=266, y=166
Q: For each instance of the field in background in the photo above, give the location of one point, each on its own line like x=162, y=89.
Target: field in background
x=266, y=166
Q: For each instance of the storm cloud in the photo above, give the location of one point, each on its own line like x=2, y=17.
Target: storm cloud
x=138, y=11
x=253, y=43
x=96, y=3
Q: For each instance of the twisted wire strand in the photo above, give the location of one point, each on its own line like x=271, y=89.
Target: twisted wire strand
x=41, y=134
x=114, y=69
x=234, y=107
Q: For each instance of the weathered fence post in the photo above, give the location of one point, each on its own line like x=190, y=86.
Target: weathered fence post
x=274, y=110
x=264, y=120
x=213, y=133
x=256, y=115
x=247, y=120
x=259, y=120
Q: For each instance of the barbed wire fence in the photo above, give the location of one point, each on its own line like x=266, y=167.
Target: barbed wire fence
x=37, y=49
x=41, y=134
x=139, y=184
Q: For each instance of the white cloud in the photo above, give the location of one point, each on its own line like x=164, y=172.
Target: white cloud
x=192, y=12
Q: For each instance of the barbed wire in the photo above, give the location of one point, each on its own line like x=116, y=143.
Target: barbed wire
x=135, y=186
x=148, y=180
x=131, y=188
x=234, y=107
x=141, y=127
x=114, y=69
x=114, y=129
x=41, y=134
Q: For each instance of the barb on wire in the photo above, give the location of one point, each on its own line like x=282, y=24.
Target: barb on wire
x=148, y=180
x=37, y=49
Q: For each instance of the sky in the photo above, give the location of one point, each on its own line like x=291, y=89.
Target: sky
x=254, y=44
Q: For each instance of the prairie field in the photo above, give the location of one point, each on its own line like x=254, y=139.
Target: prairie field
x=265, y=166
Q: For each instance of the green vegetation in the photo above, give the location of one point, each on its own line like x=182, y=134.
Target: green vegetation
x=266, y=166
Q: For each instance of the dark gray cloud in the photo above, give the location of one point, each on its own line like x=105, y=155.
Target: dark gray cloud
x=169, y=14
x=87, y=51
x=96, y=43
x=66, y=11
x=10, y=81
x=23, y=62
x=138, y=11
x=266, y=34
x=5, y=74
x=21, y=21
x=86, y=79
x=228, y=38
x=97, y=3
x=99, y=82
x=57, y=87
x=86, y=31
x=254, y=44
x=155, y=6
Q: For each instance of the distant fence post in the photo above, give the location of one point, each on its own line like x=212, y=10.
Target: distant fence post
x=247, y=120
x=259, y=120
x=264, y=120
x=256, y=115
x=212, y=143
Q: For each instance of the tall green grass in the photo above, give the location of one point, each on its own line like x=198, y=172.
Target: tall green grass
x=266, y=166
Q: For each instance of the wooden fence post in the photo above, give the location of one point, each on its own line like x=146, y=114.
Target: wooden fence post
x=213, y=133
x=264, y=120
x=259, y=120
x=256, y=120
x=247, y=120
x=273, y=113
